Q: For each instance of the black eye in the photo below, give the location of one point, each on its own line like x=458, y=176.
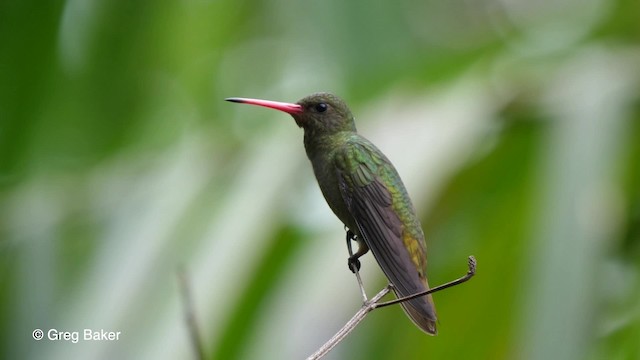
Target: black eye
x=321, y=107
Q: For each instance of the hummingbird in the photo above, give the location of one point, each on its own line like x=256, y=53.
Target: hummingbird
x=366, y=193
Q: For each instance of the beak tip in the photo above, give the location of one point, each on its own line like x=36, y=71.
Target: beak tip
x=232, y=99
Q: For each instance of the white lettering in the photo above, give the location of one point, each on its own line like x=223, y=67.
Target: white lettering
x=101, y=335
x=54, y=334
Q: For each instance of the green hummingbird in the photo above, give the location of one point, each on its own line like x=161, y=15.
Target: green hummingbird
x=366, y=193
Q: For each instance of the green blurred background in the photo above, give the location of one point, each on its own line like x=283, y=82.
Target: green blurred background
x=514, y=124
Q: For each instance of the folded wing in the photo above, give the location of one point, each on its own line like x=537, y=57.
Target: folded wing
x=363, y=175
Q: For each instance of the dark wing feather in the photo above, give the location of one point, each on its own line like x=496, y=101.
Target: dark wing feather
x=371, y=205
x=381, y=231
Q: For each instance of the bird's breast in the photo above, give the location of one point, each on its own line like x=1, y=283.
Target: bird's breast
x=325, y=171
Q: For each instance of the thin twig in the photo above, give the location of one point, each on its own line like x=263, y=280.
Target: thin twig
x=362, y=292
x=373, y=304
x=469, y=275
x=190, y=316
x=350, y=325
x=355, y=270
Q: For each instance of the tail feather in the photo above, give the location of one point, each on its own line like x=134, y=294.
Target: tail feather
x=422, y=312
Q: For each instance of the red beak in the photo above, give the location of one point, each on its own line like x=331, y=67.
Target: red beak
x=282, y=106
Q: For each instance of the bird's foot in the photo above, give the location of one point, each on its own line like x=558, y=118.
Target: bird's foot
x=353, y=263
